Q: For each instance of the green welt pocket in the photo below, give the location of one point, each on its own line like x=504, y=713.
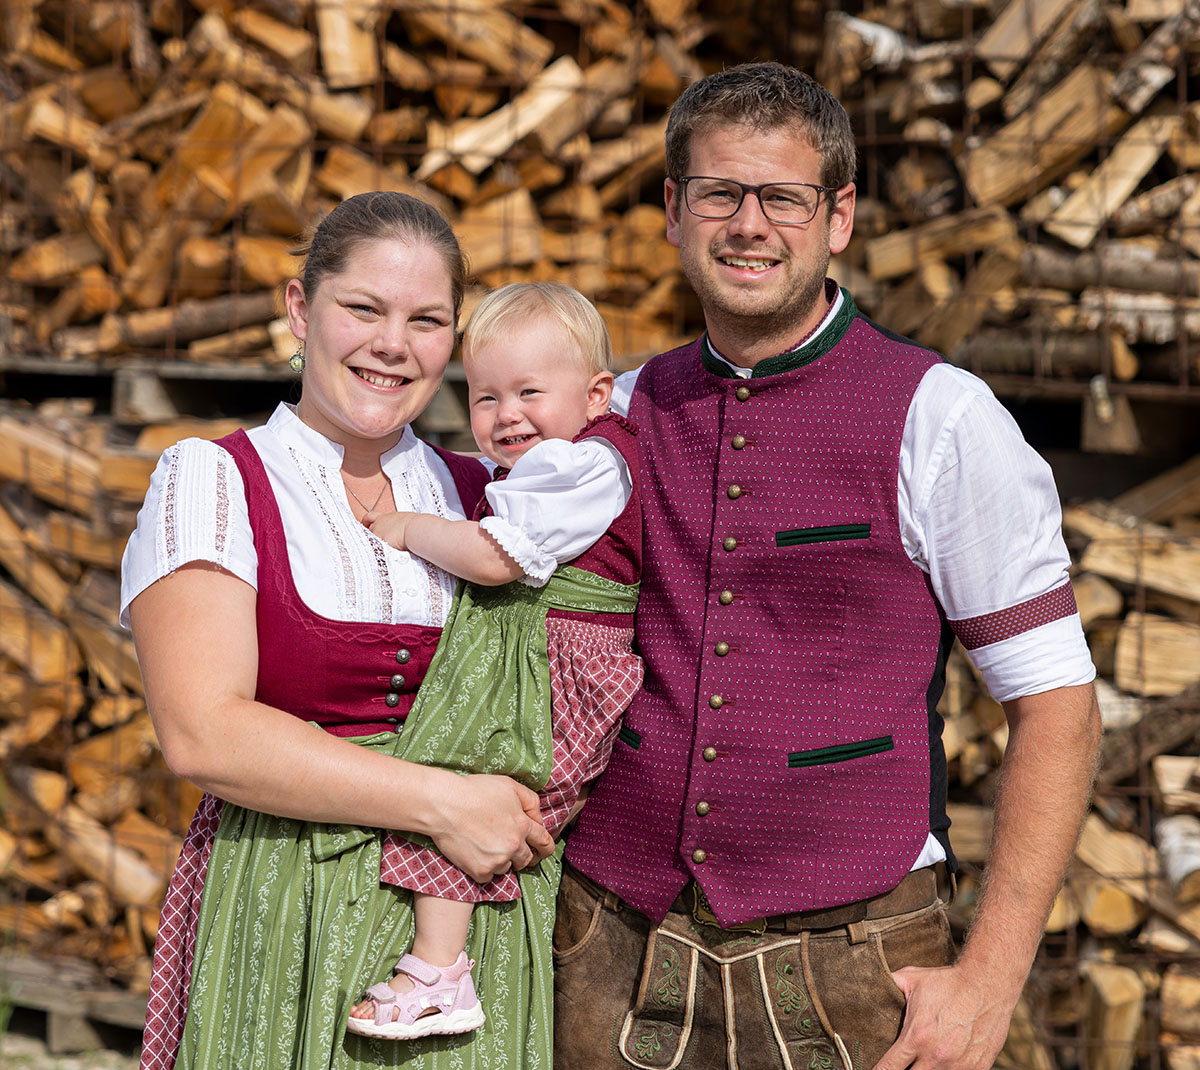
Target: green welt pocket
x=628, y=735
x=834, y=533
x=843, y=752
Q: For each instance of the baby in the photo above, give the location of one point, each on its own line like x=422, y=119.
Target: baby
x=534, y=675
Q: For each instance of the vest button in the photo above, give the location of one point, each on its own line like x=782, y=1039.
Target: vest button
x=715, y=701
x=734, y=491
x=721, y=649
x=402, y=656
x=699, y=855
x=738, y=442
x=729, y=543
x=702, y=809
x=392, y=699
x=742, y=393
x=396, y=682
x=709, y=754
x=725, y=597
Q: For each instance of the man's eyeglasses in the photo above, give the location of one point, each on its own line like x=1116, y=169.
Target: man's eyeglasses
x=788, y=204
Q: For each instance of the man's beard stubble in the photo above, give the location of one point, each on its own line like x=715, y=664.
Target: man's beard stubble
x=745, y=324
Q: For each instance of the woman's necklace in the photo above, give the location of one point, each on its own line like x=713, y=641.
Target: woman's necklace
x=366, y=508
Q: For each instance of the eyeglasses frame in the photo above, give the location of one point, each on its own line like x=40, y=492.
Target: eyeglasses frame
x=757, y=191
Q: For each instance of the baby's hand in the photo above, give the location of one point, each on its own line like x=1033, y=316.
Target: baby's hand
x=390, y=527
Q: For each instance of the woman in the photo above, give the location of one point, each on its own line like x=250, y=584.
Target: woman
x=260, y=605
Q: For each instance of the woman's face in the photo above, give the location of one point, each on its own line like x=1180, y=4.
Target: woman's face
x=377, y=337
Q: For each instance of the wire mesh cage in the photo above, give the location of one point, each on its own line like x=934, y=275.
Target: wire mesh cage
x=1028, y=204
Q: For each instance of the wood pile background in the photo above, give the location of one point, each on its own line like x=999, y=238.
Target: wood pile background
x=1029, y=204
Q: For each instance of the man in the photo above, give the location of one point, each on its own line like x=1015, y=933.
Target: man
x=753, y=882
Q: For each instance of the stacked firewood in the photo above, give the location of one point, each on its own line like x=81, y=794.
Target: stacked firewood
x=1029, y=204
x=1042, y=217
x=1029, y=199
x=1124, y=935
x=166, y=156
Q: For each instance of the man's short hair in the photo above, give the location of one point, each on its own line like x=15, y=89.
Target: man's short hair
x=764, y=96
x=518, y=302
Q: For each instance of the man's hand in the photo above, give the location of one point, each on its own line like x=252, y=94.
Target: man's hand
x=951, y=1022
x=487, y=825
x=390, y=527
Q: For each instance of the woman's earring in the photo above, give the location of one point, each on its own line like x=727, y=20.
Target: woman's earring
x=297, y=361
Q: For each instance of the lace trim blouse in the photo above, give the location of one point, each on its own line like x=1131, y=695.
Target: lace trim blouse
x=195, y=510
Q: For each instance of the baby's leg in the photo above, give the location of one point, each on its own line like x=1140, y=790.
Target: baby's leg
x=441, y=933
x=440, y=939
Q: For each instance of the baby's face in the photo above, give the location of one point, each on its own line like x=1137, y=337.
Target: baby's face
x=529, y=385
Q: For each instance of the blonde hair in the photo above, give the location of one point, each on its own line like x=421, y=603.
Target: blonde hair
x=520, y=300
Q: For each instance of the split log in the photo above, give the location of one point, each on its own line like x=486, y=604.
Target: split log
x=1178, y=841
x=1075, y=31
x=1015, y=34
x=970, y=831
x=1153, y=66
x=941, y=239
x=1079, y=219
x=1104, y=907
x=1144, y=211
x=475, y=143
x=1179, y=999
x=958, y=318
x=346, y=37
x=486, y=32
x=506, y=230
x=1041, y=144
x=1174, y=493
x=1095, y=598
x=1133, y=551
x=1116, y=996
x=1157, y=655
x=91, y=847
x=1177, y=783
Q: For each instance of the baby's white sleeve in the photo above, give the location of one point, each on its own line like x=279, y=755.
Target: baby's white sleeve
x=195, y=510
x=559, y=498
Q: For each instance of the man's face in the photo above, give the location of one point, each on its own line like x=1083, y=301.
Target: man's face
x=747, y=267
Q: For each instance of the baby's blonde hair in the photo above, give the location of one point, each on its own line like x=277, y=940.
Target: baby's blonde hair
x=520, y=300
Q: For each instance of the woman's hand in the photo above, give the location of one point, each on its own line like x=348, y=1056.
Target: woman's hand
x=487, y=825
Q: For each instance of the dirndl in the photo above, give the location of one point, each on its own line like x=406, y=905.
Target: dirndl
x=295, y=924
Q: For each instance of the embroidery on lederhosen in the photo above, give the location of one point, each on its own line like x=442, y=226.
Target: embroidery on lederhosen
x=656, y=1031
x=794, y=1019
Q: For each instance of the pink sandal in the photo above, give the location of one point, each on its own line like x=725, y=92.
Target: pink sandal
x=442, y=1001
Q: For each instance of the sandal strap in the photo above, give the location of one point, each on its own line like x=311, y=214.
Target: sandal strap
x=419, y=970
x=385, y=1000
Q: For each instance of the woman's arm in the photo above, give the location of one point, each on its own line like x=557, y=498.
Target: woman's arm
x=461, y=547
x=196, y=641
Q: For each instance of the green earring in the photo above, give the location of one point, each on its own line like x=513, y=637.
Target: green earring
x=297, y=361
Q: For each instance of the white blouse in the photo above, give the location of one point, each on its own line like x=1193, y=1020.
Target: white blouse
x=557, y=500
x=196, y=510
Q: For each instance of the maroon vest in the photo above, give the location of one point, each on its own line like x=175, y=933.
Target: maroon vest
x=780, y=750
x=337, y=673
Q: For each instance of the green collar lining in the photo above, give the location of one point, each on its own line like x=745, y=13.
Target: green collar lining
x=793, y=358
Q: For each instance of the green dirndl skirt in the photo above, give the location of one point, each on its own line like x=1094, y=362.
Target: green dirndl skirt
x=294, y=923
x=293, y=927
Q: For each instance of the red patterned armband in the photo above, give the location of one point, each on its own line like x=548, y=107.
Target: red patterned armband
x=974, y=632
